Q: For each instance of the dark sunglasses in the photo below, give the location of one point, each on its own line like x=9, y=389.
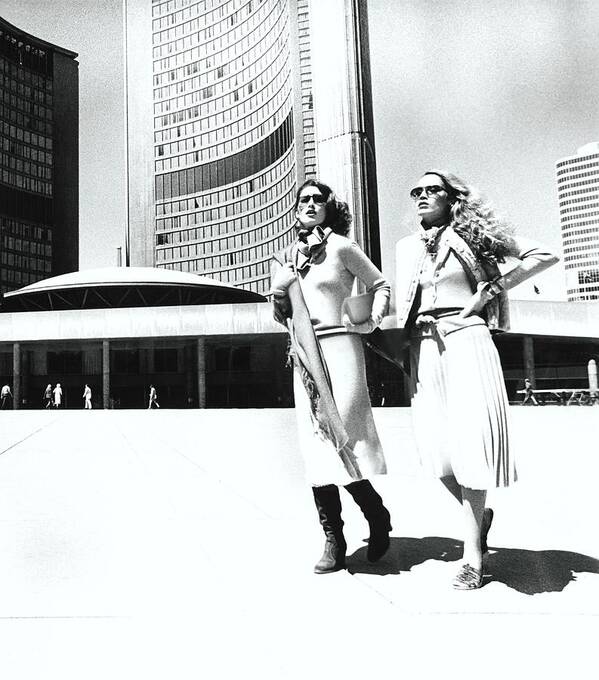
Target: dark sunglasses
x=318, y=199
x=430, y=190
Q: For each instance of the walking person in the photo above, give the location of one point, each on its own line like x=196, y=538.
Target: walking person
x=529, y=394
x=5, y=397
x=87, y=397
x=57, y=393
x=48, y=396
x=337, y=436
x=153, y=400
x=450, y=295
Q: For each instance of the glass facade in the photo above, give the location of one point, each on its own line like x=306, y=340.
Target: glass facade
x=224, y=163
x=27, y=158
x=578, y=196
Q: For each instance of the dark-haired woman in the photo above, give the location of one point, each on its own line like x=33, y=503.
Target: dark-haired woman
x=338, y=438
x=450, y=295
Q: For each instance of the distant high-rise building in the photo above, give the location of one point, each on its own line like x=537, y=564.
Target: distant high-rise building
x=39, y=159
x=224, y=100
x=578, y=195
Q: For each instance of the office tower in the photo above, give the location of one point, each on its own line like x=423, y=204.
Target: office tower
x=578, y=196
x=222, y=127
x=39, y=158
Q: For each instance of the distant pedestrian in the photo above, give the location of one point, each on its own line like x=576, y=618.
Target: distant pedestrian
x=87, y=396
x=529, y=393
x=5, y=397
x=153, y=401
x=57, y=392
x=48, y=396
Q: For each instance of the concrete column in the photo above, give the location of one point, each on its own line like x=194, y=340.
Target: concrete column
x=106, y=373
x=528, y=351
x=188, y=370
x=16, y=374
x=592, y=371
x=201, y=354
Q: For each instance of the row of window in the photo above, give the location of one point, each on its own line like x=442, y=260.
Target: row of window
x=244, y=69
x=250, y=97
x=219, y=259
x=577, y=159
x=176, y=81
x=25, y=55
x=25, y=230
x=572, y=229
x=26, y=183
x=225, y=146
x=36, y=94
x=577, y=192
x=279, y=195
x=24, y=151
x=561, y=180
x=174, y=26
x=25, y=121
x=211, y=117
x=590, y=183
x=29, y=264
x=581, y=248
x=577, y=239
x=270, y=182
x=585, y=166
x=186, y=35
x=237, y=86
x=580, y=200
x=227, y=170
x=221, y=45
x=163, y=8
x=13, y=132
x=571, y=259
x=25, y=167
x=27, y=105
x=13, y=278
x=568, y=218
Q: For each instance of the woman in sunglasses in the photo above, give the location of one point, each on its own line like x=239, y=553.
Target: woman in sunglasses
x=450, y=295
x=337, y=434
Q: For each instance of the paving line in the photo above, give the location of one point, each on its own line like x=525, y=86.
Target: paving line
x=43, y=427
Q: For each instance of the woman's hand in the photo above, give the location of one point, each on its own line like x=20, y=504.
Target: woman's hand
x=478, y=300
x=364, y=328
x=281, y=281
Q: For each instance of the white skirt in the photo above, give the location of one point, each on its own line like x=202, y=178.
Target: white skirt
x=344, y=357
x=460, y=408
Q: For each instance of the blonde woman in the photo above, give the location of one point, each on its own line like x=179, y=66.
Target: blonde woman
x=450, y=296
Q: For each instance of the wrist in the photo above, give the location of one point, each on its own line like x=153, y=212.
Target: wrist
x=496, y=286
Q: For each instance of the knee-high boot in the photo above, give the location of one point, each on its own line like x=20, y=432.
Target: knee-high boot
x=377, y=516
x=328, y=505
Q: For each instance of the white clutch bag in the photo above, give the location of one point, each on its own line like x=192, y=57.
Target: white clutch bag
x=358, y=307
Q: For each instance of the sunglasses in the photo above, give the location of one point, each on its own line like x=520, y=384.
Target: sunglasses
x=430, y=190
x=318, y=199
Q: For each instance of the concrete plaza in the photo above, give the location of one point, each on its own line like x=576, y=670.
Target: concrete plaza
x=180, y=544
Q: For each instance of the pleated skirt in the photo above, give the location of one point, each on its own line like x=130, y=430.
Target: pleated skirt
x=460, y=408
x=344, y=356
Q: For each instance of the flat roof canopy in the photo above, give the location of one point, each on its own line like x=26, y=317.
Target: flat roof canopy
x=114, y=287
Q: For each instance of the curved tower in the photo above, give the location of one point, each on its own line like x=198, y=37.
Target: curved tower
x=222, y=126
x=39, y=159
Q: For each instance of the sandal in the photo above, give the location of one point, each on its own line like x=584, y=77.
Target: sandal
x=468, y=578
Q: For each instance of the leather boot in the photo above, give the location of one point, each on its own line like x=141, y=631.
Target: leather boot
x=328, y=505
x=377, y=516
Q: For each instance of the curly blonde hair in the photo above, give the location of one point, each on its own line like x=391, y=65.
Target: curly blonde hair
x=474, y=219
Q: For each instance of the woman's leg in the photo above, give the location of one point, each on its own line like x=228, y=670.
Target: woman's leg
x=474, y=506
x=452, y=485
x=377, y=516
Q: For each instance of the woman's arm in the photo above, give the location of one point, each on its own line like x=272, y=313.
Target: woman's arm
x=533, y=259
x=281, y=277
x=356, y=261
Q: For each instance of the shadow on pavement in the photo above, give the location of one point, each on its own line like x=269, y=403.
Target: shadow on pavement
x=528, y=571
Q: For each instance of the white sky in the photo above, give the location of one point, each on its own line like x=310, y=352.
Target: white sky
x=494, y=90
